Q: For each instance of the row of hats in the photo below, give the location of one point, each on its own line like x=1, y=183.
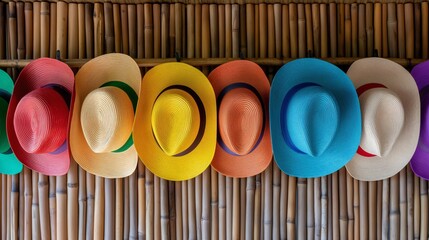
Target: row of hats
x=314, y=118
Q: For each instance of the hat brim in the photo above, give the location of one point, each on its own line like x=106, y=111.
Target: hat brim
x=92, y=75
x=9, y=164
x=347, y=137
x=37, y=74
x=419, y=162
x=399, y=80
x=224, y=76
x=192, y=164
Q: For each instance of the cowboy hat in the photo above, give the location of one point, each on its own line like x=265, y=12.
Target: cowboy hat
x=175, y=126
x=104, y=101
x=419, y=161
x=38, y=116
x=243, y=144
x=314, y=118
x=390, y=106
x=9, y=164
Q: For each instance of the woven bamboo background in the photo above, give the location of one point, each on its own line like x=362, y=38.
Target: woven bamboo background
x=268, y=206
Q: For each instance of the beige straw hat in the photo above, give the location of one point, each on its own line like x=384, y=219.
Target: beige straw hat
x=104, y=102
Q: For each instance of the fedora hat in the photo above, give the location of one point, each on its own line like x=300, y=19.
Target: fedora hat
x=420, y=161
x=9, y=164
x=175, y=127
x=104, y=101
x=38, y=116
x=390, y=106
x=314, y=118
x=243, y=143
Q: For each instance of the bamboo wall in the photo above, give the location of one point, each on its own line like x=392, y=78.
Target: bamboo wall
x=270, y=205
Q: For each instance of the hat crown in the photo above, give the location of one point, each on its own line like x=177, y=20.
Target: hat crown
x=382, y=118
x=107, y=117
x=41, y=121
x=312, y=120
x=240, y=120
x=175, y=121
x=4, y=144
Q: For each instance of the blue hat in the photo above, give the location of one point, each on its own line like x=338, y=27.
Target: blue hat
x=9, y=164
x=315, y=118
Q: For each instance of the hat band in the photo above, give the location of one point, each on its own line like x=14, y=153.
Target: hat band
x=201, y=111
x=219, y=100
x=65, y=94
x=360, y=90
x=132, y=95
x=6, y=96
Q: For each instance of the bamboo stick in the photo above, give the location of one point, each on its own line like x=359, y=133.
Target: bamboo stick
x=61, y=194
x=333, y=28
x=222, y=206
x=82, y=204
x=268, y=198
x=416, y=230
x=324, y=30
x=81, y=30
x=293, y=28
x=172, y=30
x=242, y=207
x=176, y=216
x=341, y=28
x=148, y=32
x=99, y=207
x=214, y=205
x=157, y=207
x=362, y=31
x=21, y=206
x=330, y=225
x=36, y=228
x=53, y=206
x=98, y=30
x=342, y=182
x=424, y=209
x=363, y=201
x=3, y=31
x=221, y=33
x=4, y=216
x=132, y=29
x=109, y=209
x=235, y=233
x=198, y=22
x=12, y=32
x=309, y=27
x=394, y=208
x=242, y=53
x=149, y=204
x=276, y=202
x=184, y=206
x=157, y=30
x=355, y=32
x=214, y=30
x=28, y=18
x=44, y=30
x=356, y=211
x=257, y=208
x=250, y=204
x=385, y=41
x=27, y=205
x=385, y=211
x=302, y=204
x=417, y=51
x=133, y=206
x=409, y=30
x=61, y=30
x=36, y=28
x=324, y=208
x=235, y=19
x=392, y=30
x=291, y=208
x=310, y=208
x=90, y=193
x=369, y=23
x=205, y=213
x=372, y=209
x=35, y=207
x=379, y=209
x=403, y=203
x=378, y=32
x=14, y=206
x=350, y=207
x=317, y=209
x=191, y=208
x=401, y=29
x=277, y=8
x=53, y=30
x=126, y=205
x=410, y=203
x=335, y=206
x=425, y=29
x=285, y=31
x=301, y=31
x=44, y=207
x=315, y=11
x=140, y=203
x=20, y=30
x=109, y=27
x=165, y=231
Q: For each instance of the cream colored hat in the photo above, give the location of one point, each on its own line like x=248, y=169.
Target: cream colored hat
x=390, y=107
x=104, y=102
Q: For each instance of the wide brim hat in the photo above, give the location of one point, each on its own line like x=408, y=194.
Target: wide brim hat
x=175, y=126
x=9, y=164
x=420, y=161
x=104, y=100
x=243, y=143
x=390, y=107
x=38, y=116
x=314, y=118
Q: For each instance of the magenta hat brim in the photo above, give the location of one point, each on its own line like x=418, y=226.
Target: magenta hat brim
x=420, y=161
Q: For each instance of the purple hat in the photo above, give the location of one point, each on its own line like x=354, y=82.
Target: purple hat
x=420, y=160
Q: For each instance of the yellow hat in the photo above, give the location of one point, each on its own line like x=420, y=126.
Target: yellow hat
x=104, y=102
x=175, y=126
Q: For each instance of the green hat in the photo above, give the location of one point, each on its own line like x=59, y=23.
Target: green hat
x=9, y=164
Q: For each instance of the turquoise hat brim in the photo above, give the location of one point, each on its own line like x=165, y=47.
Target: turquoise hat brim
x=347, y=137
x=9, y=164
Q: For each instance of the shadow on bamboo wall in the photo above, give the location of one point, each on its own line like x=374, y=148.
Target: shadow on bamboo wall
x=270, y=205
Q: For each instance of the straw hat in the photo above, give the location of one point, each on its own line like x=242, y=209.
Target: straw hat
x=420, y=161
x=314, y=118
x=102, y=120
x=390, y=108
x=175, y=127
x=243, y=143
x=9, y=164
x=38, y=116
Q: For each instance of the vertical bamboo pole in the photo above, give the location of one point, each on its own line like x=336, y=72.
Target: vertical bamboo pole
x=425, y=29
x=369, y=23
x=250, y=205
x=27, y=205
x=44, y=31
x=301, y=31
x=165, y=231
x=385, y=211
x=149, y=201
x=90, y=188
x=324, y=43
x=285, y=31
x=392, y=30
x=283, y=205
x=268, y=198
x=198, y=42
x=44, y=207
x=362, y=30
x=342, y=182
x=335, y=205
x=140, y=204
x=157, y=207
x=363, y=201
x=109, y=37
x=291, y=208
x=302, y=204
x=278, y=29
x=403, y=203
x=21, y=218
x=276, y=201
x=61, y=30
x=401, y=29
x=109, y=209
x=341, y=28
x=53, y=206
x=409, y=30
x=310, y=209
x=293, y=27
x=28, y=16
x=385, y=41
x=416, y=230
x=410, y=202
x=355, y=36
x=424, y=209
x=205, y=213
x=235, y=30
x=53, y=30
x=184, y=205
x=315, y=11
x=378, y=32
x=324, y=208
x=156, y=8
x=271, y=33
x=3, y=30
x=356, y=207
x=36, y=27
x=99, y=206
x=333, y=28
x=82, y=204
x=379, y=209
x=394, y=208
x=417, y=51
x=372, y=209
x=235, y=217
x=350, y=207
x=309, y=27
x=14, y=206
